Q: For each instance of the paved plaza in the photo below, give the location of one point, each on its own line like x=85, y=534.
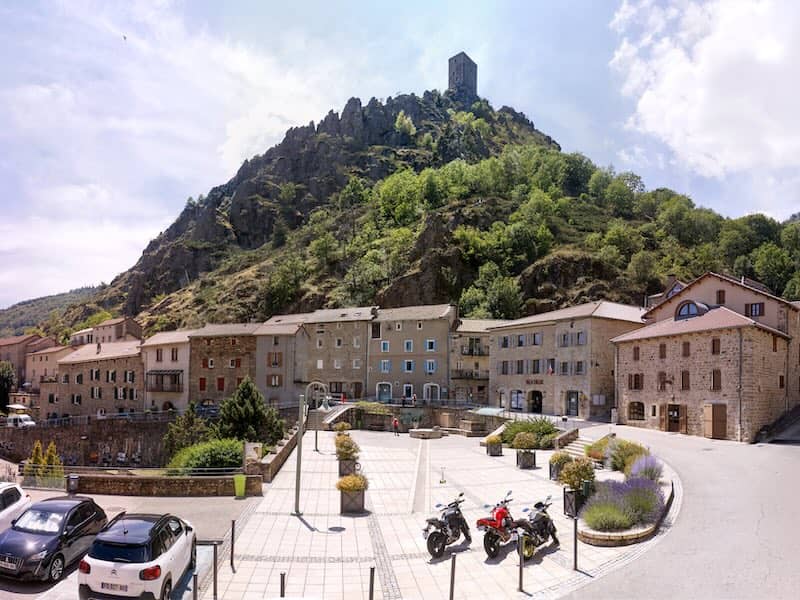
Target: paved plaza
x=327, y=555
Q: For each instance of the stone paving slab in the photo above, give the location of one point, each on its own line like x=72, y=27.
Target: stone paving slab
x=327, y=555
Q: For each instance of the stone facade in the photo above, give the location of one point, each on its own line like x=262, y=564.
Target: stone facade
x=281, y=348
x=42, y=366
x=470, y=363
x=463, y=77
x=165, y=358
x=115, y=330
x=409, y=354
x=15, y=350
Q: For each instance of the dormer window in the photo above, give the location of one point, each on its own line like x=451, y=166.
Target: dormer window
x=689, y=309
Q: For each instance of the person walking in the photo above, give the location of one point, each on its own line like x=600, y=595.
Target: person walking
x=396, y=426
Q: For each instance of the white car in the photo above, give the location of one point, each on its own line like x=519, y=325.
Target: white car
x=138, y=556
x=13, y=502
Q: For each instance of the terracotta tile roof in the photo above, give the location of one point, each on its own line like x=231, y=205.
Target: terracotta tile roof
x=180, y=336
x=600, y=308
x=17, y=339
x=112, y=321
x=716, y=318
x=51, y=350
x=88, y=352
x=425, y=312
x=478, y=325
x=334, y=315
x=231, y=329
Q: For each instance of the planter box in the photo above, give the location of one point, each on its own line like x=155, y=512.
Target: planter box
x=348, y=467
x=555, y=471
x=352, y=502
x=526, y=459
x=573, y=502
x=494, y=449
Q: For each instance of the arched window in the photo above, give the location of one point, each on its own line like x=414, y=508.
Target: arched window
x=689, y=309
x=636, y=411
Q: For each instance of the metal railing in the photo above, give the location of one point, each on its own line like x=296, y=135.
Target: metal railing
x=470, y=373
x=53, y=476
x=475, y=350
x=156, y=416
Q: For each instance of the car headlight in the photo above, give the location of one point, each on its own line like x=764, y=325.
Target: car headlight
x=39, y=556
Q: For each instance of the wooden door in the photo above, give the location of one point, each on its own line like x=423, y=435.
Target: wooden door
x=662, y=417
x=719, y=430
x=683, y=418
x=708, y=420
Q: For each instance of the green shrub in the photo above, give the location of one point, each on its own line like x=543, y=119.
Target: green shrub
x=525, y=441
x=559, y=459
x=573, y=473
x=372, y=408
x=493, y=439
x=623, y=451
x=346, y=448
x=648, y=467
x=597, y=450
x=606, y=516
x=341, y=427
x=214, y=454
x=539, y=426
x=643, y=500
x=352, y=483
x=548, y=441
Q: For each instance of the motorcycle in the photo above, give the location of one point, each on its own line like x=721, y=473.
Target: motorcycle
x=499, y=528
x=447, y=528
x=540, y=529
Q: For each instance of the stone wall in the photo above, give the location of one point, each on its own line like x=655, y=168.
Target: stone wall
x=223, y=351
x=165, y=486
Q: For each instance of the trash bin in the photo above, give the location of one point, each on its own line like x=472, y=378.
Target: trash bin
x=239, y=482
x=72, y=483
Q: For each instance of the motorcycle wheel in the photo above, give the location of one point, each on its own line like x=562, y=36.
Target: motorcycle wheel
x=491, y=543
x=528, y=547
x=436, y=543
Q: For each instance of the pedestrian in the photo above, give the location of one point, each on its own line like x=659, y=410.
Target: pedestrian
x=396, y=426
x=413, y=399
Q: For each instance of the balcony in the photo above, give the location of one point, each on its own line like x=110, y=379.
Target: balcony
x=470, y=373
x=176, y=388
x=475, y=350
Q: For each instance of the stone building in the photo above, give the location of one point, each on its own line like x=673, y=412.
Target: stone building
x=337, y=349
x=470, y=361
x=82, y=337
x=97, y=380
x=115, y=330
x=719, y=359
x=462, y=77
x=15, y=350
x=560, y=362
x=281, y=351
x=408, y=353
x=220, y=357
x=165, y=359
x=42, y=366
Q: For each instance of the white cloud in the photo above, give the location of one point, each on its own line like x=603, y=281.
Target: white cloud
x=716, y=82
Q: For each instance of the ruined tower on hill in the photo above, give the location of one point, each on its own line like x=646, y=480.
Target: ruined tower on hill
x=463, y=78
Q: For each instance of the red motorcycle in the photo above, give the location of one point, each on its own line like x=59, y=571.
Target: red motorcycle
x=499, y=528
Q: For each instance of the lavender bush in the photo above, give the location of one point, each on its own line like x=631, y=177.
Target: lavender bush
x=620, y=505
x=648, y=467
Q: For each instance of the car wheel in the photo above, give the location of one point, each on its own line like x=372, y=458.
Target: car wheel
x=166, y=593
x=56, y=570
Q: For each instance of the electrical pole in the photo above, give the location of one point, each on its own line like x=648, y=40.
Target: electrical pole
x=300, y=431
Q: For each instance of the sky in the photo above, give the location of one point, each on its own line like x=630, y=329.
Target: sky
x=112, y=114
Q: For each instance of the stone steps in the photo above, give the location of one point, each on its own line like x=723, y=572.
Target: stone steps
x=577, y=448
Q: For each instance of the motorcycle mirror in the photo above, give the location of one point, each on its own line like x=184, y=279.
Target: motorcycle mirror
x=548, y=498
x=438, y=506
x=461, y=494
x=485, y=506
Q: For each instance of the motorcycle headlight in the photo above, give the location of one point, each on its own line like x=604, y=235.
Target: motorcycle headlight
x=39, y=555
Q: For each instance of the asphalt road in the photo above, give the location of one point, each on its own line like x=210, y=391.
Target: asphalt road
x=738, y=531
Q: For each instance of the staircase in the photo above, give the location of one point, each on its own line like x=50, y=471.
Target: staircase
x=322, y=420
x=314, y=420
x=577, y=447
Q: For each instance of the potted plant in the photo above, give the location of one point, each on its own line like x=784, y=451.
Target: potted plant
x=342, y=427
x=347, y=453
x=557, y=462
x=352, y=488
x=494, y=445
x=525, y=443
x=578, y=476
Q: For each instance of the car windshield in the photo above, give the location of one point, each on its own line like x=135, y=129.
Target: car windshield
x=40, y=521
x=126, y=553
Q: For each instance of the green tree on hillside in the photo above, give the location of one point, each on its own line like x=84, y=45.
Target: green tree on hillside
x=8, y=381
x=245, y=416
x=403, y=124
x=619, y=198
x=773, y=266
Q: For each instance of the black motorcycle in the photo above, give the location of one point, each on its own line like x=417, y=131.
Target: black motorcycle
x=540, y=529
x=447, y=528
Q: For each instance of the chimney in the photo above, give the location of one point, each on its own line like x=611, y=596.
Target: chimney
x=742, y=280
x=98, y=347
x=670, y=280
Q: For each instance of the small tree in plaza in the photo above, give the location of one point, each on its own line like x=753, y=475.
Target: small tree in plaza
x=245, y=416
x=187, y=430
x=53, y=467
x=33, y=467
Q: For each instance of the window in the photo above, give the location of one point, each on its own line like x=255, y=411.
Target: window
x=774, y=344
x=275, y=380
x=220, y=384
x=419, y=324
x=579, y=368
x=159, y=354
x=205, y=363
x=336, y=387
x=408, y=345
x=386, y=366
x=662, y=351
x=536, y=367
x=210, y=363
x=551, y=366
x=662, y=381
x=720, y=297
x=319, y=342
x=716, y=380
x=521, y=340
x=10, y=497
x=715, y=346
x=76, y=399
x=636, y=353
x=636, y=411
x=338, y=342
x=564, y=340
x=504, y=367
x=275, y=340
x=398, y=326
x=356, y=363
x=686, y=349
x=653, y=410
x=79, y=378
x=51, y=398
x=430, y=366
x=687, y=310
x=233, y=341
x=504, y=341
x=320, y=364
x=356, y=342
x=635, y=381
x=384, y=345
x=208, y=341
x=65, y=377
x=580, y=338
x=781, y=382
x=339, y=325
x=376, y=331
x=202, y=384
x=685, y=380
x=274, y=359
x=174, y=354
x=337, y=363
x=408, y=366
x=520, y=367
x=537, y=339
x=430, y=345
x=754, y=310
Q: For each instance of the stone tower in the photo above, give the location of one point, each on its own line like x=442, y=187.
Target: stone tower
x=463, y=78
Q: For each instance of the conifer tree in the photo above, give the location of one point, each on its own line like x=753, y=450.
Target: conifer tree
x=245, y=416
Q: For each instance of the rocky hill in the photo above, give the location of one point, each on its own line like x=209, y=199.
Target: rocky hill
x=16, y=319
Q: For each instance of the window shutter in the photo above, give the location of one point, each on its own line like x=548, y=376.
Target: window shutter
x=205, y=363
x=630, y=381
x=747, y=310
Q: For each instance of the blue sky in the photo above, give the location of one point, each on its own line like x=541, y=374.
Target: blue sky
x=112, y=114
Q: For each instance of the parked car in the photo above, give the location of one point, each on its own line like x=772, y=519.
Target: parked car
x=138, y=556
x=49, y=536
x=207, y=411
x=13, y=502
x=20, y=421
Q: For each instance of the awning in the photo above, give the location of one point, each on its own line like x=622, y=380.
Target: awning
x=171, y=372
x=488, y=411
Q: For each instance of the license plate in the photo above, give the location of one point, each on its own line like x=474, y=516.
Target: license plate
x=114, y=587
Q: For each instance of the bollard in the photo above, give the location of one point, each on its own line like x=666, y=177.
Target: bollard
x=371, y=583
x=233, y=539
x=575, y=543
x=316, y=447
x=215, y=572
x=194, y=586
x=283, y=585
x=452, y=577
x=520, y=542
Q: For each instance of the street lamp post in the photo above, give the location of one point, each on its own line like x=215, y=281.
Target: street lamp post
x=300, y=428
